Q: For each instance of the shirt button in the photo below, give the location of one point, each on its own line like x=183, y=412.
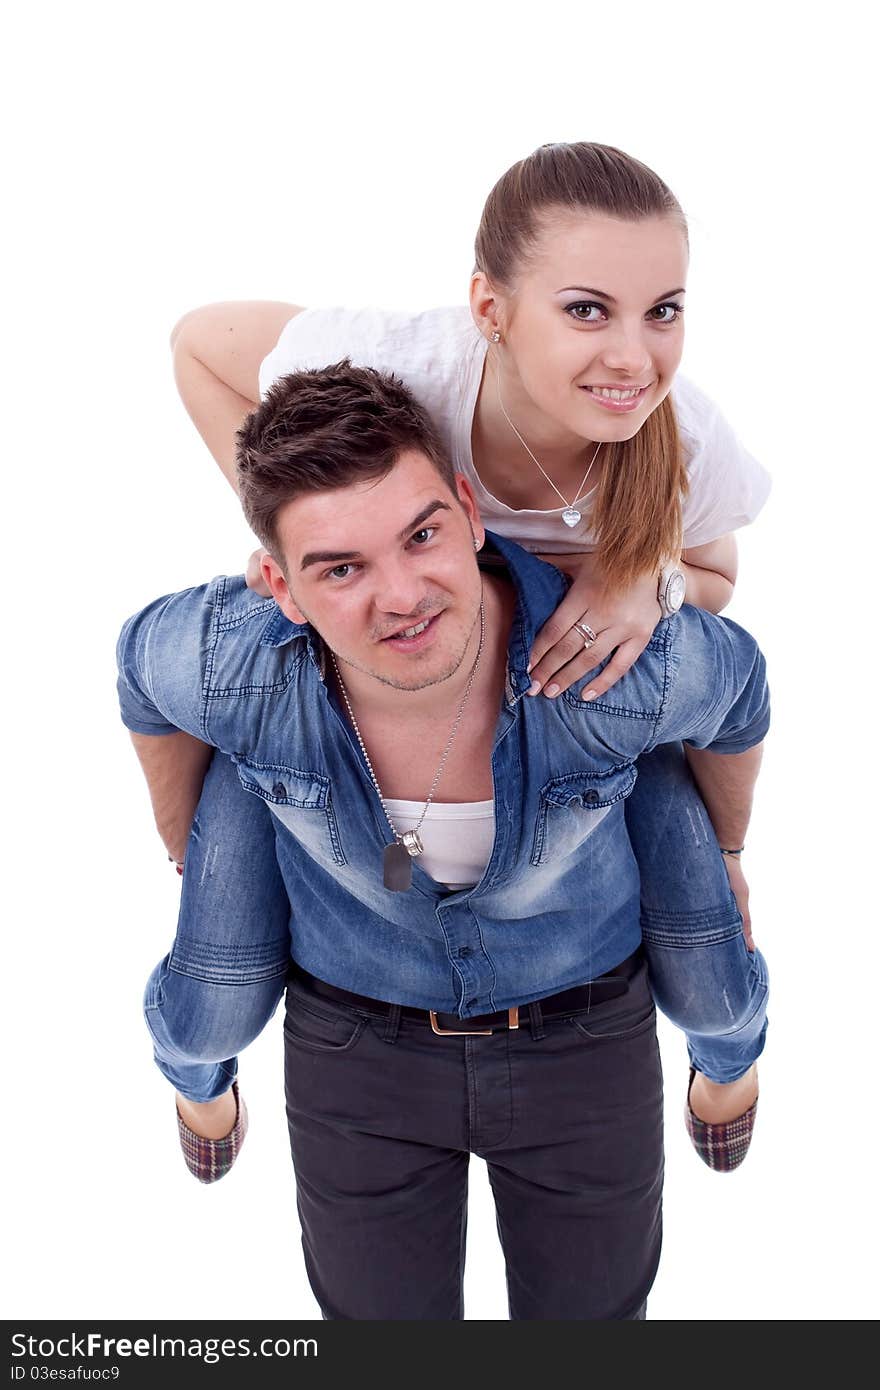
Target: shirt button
x=591, y=798
x=279, y=789
x=464, y=951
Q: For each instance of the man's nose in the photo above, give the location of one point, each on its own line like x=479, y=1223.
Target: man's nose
x=397, y=588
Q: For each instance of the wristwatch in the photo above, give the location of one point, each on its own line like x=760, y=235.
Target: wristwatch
x=671, y=589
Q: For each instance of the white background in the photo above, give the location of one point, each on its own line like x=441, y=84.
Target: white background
x=167, y=156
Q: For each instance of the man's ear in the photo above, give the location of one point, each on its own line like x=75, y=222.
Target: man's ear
x=469, y=502
x=273, y=574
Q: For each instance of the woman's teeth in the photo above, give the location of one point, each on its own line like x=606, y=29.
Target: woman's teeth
x=613, y=394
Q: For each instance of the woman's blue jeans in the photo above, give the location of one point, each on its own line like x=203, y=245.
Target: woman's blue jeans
x=222, y=980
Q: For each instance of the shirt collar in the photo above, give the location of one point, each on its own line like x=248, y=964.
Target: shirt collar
x=540, y=588
x=279, y=631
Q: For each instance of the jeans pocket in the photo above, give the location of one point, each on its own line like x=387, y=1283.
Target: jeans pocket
x=603, y=1023
x=318, y=1032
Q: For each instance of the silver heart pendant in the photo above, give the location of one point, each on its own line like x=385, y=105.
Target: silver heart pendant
x=571, y=516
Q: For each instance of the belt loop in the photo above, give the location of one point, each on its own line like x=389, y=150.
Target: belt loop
x=536, y=1021
x=392, y=1024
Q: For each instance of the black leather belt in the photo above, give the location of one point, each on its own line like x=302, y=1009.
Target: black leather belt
x=568, y=1003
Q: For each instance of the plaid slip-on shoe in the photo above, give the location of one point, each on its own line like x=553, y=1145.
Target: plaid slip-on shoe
x=211, y=1159
x=722, y=1147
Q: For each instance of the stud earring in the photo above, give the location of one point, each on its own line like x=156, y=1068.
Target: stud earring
x=496, y=337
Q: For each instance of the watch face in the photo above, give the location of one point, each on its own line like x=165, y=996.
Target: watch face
x=675, y=588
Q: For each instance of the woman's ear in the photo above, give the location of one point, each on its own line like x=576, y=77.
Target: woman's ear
x=485, y=307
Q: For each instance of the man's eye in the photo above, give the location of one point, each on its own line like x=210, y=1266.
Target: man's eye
x=423, y=534
x=587, y=312
x=666, y=313
x=340, y=572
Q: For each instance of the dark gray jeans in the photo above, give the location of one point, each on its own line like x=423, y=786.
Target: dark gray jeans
x=383, y=1114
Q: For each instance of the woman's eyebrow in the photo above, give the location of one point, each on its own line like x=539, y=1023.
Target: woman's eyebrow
x=585, y=289
x=602, y=294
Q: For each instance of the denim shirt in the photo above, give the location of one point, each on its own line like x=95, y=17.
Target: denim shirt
x=558, y=903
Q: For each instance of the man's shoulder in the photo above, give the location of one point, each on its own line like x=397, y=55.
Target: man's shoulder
x=639, y=694
x=254, y=648
x=221, y=632
x=681, y=664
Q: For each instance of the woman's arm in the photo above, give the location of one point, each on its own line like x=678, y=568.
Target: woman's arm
x=623, y=622
x=217, y=354
x=710, y=571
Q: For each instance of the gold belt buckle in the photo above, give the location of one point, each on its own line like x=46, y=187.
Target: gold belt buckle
x=512, y=1023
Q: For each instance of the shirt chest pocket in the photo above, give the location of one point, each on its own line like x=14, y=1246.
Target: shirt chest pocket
x=301, y=801
x=573, y=807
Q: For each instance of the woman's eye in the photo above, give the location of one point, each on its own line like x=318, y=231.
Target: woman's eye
x=666, y=313
x=587, y=312
x=423, y=535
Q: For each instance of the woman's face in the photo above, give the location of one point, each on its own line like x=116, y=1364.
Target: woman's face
x=592, y=327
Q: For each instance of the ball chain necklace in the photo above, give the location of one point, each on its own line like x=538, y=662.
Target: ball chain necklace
x=570, y=514
x=397, y=857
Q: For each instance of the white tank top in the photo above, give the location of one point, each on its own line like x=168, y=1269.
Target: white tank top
x=458, y=837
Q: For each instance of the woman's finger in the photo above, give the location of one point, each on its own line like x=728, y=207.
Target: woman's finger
x=558, y=627
x=568, y=661
x=623, y=658
x=581, y=664
x=747, y=931
x=254, y=575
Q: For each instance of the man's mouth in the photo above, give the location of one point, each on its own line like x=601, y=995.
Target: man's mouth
x=410, y=633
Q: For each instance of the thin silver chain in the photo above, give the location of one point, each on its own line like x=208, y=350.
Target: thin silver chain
x=580, y=492
x=449, y=742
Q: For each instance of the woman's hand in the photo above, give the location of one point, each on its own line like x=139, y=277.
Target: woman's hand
x=254, y=575
x=622, y=621
x=741, y=893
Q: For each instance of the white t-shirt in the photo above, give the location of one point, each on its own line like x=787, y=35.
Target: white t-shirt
x=457, y=836
x=439, y=354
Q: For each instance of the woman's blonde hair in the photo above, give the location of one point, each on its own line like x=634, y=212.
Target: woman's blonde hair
x=636, y=516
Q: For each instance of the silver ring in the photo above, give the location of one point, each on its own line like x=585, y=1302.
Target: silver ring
x=586, y=632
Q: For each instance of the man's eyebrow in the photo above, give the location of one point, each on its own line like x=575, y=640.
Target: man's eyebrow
x=345, y=557
x=423, y=515
x=600, y=294
x=323, y=557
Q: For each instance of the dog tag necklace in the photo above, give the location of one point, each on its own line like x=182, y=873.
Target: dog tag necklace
x=397, y=857
x=570, y=514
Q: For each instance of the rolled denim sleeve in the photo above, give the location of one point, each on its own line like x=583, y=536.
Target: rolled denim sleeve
x=162, y=657
x=717, y=695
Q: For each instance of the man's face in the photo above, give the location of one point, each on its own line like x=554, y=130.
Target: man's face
x=385, y=571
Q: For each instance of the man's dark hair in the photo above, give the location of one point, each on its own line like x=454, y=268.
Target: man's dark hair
x=316, y=430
